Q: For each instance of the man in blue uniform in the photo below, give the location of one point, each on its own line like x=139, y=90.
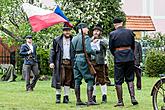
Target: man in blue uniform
x=28, y=52
x=121, y=44
x=81, y=69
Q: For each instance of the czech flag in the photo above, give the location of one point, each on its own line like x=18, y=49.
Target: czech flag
x=40, y=18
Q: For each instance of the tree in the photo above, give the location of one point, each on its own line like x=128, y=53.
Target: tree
x=8, y=18
x=93, y=12
x=14, y=22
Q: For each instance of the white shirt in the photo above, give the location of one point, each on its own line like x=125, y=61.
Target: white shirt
x=31, y=46
x=96, y=45
x=66, y=48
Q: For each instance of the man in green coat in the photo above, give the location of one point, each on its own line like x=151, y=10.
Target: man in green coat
x=81, y=69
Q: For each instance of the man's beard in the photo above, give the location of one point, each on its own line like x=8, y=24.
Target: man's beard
x=67, y=36
x=96, y=36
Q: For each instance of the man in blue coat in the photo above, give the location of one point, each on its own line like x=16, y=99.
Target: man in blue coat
x=121, y=45
x=28, y=52
x=61, y=60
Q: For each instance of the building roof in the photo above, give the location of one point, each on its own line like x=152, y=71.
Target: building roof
x=140, y=23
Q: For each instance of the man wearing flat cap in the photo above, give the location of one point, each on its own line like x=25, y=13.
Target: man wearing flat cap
x=61, y=59
x=121, y=45
x=100, y=44
x=28, y=52
x=81, y=69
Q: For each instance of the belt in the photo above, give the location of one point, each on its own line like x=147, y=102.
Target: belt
x=93, y=62
x=66, y=61
x=123, y=48
x=79, y=52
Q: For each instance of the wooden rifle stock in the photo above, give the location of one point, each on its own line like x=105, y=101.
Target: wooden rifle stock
x=90, y=66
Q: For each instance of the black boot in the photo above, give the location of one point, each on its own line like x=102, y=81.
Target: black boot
x=90, y=98
x=66, y=99
x=58, y=98
x=94, y=98
x=119, y=96
x=104, y=99
x=77, y=92
x=132, y=93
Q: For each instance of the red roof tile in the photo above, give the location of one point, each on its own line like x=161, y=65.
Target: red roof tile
x=139, y=23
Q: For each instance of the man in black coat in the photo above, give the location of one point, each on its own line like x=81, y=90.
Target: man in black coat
x=61, y=60
x=138, y=60
x=121, y=45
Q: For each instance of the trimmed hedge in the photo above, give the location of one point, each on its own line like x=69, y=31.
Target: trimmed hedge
x=155, y=63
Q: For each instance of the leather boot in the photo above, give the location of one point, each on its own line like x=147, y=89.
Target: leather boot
x=66, y=99
x=77, y=93
x=138, y=76
x=90, y=98
x=58, y=98
x=104, y=99
x=132, y=93
x=119, y=92
x=94, y=98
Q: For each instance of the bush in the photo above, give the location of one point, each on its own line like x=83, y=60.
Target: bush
x=110, y=65
x=155, y=63
x=43, y=58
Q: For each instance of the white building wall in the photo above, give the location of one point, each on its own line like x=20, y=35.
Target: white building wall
x=153, y=8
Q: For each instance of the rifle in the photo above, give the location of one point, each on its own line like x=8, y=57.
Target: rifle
x=90, y=66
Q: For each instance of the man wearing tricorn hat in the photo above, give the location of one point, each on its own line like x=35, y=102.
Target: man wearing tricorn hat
x=61, y=60
x=28, y=52
x=99, y=62
x=121, y=45
x=81, y=69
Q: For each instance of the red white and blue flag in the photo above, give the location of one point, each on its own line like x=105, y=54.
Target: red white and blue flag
x=40, y=18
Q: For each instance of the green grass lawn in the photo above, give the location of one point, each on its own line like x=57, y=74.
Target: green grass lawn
x=14, y=97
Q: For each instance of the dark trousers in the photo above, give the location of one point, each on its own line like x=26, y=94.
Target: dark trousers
x=124, y=70
x=27, y=70
x=138, y=76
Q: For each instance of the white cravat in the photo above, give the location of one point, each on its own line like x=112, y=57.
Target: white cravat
x=96, y=45
x=66, y=48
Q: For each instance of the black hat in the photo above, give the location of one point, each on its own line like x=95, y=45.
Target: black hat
x=66, y=27
x=28, y=36
x=98, y=27
x=82, y=25
x=117, y=20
